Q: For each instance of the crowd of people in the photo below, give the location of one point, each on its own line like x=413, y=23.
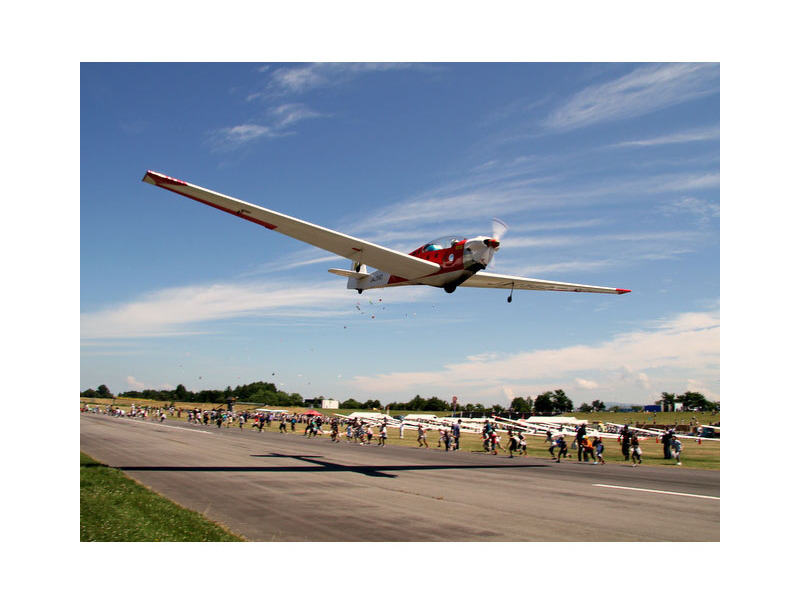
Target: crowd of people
x=362, y=432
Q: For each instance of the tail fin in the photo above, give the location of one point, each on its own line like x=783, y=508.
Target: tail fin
x=354, y=276
x=361, y=271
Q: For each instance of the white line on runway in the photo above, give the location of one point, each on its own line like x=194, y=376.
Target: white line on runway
x=656, y=491
x=150, y=424
x=184, y=428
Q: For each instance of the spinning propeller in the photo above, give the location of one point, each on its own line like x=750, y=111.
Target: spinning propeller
x=499, y=228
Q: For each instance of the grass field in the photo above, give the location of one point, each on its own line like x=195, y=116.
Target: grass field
x=115, y=508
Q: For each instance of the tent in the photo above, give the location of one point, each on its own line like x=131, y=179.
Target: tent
x=313, y=412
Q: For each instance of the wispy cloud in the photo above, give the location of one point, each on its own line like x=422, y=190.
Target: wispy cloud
x=190, y=309
x=199, y=309
x=676, y=138
x=274, y=124
x=705, y=211
x=644, y=90
x=226, y=139
x=467, y=200
x=298, y=79
x=283, y=83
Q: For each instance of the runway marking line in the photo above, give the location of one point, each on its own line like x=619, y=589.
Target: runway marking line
x=656, y=491
x=184, y=428
x=152, y=424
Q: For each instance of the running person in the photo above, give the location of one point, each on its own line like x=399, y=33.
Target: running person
x=423, y=441
x=677, y=446
x=636, y=451
x=598, y=448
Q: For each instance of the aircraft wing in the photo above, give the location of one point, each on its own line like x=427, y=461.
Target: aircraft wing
x=376, y=256
x=503, y=281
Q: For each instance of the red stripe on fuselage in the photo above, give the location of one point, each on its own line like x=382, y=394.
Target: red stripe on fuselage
x=442, y=257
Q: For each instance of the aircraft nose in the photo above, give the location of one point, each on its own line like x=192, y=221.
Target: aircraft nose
x=493, y=243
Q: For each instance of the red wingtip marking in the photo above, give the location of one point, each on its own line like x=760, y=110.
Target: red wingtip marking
x=161, y=179
x=621, y=291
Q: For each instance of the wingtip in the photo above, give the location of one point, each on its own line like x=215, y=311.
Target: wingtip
x=152, y=177
x=622, y=291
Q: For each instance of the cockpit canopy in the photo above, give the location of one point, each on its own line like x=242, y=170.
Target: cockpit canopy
x=442, y=243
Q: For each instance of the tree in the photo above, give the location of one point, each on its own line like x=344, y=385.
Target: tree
x=433, y=403
x=667, y=401
x=598, y=406
x=520, y=404
x=181, y=395
x=543, y=405
x=561, y=402
x=104, y=392
x=696, y=401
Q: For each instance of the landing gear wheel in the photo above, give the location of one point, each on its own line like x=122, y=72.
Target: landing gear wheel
x=450, y=288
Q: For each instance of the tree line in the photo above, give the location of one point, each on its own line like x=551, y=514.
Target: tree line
x=262, y=393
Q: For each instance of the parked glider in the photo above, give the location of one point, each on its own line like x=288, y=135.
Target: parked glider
x=449, y=262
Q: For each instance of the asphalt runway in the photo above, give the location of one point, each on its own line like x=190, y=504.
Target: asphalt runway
x=285, y=487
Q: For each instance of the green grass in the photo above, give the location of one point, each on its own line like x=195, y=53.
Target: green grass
x=114, y=508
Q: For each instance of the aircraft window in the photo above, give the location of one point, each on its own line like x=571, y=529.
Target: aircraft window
x=442, y=243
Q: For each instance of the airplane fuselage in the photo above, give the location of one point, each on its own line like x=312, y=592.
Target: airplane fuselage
x=458, y=258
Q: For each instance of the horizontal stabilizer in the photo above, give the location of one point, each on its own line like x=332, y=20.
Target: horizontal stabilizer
x=347, y=273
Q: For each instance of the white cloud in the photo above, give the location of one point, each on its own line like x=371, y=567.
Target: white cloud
x=303, y=78
x=677, y=138
x=134, y=383
x=295, y=80
x=227, y=139
x=646, y=359
x=191, y=310
x=171, y=311
x=586, y=384
x=277, y=121
x=286, y=115
x=644, y=90
x=703, y=210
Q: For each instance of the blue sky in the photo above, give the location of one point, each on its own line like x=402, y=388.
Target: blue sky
x=607, y=174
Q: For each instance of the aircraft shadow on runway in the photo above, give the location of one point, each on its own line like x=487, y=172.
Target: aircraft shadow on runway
x=324, y=466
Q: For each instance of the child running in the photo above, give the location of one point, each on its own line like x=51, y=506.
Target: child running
x=598, y=448
x=562, y=448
